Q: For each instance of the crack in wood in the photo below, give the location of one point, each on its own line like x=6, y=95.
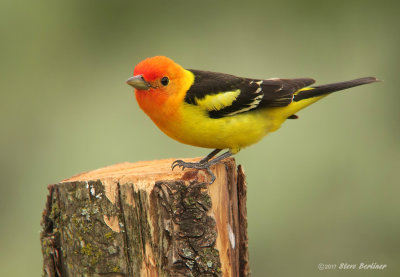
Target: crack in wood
x=127, y=244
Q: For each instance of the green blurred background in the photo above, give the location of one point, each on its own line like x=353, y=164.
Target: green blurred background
x=323, y=189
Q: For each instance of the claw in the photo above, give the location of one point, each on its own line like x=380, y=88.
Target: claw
x=211, y=175
x=203, y=166
x=177, y=163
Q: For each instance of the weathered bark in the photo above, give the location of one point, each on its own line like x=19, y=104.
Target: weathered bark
x=142, y=219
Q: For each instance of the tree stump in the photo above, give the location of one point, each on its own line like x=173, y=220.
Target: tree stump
x=142, y=219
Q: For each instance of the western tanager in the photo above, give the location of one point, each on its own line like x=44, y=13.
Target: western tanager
x=220, y=111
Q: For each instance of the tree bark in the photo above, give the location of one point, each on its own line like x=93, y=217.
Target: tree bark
x=142, y=219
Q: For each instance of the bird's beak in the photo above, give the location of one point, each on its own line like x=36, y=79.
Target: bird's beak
x=138, y=82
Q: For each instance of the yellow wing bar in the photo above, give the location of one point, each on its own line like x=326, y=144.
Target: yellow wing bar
x=216, y=102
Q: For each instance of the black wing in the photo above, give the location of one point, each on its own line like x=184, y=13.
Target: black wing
x=238, y=95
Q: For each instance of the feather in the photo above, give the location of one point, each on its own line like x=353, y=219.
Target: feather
x=224, y=95
x=329, y=88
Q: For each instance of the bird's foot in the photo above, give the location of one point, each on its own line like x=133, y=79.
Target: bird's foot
x=205, y=165
x=184, y=165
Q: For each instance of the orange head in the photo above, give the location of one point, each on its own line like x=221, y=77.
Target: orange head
x=158, y=77
x=158, y=80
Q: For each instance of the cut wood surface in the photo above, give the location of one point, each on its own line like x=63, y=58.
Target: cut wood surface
x=142, y=219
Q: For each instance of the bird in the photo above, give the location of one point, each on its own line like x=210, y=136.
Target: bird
x=218, y=110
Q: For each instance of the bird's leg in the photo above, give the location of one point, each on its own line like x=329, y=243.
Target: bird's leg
x=209, y=156
x=204, y=163
x=195, y=165
x=198, y=165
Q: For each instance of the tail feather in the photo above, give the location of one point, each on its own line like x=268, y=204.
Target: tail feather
x=326, y=89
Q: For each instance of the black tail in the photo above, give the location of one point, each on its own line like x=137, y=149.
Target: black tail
x=326, y=89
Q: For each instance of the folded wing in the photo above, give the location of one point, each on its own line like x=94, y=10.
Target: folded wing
x=224, y=95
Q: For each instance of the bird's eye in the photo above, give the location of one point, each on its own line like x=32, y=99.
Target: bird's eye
x=164, y=81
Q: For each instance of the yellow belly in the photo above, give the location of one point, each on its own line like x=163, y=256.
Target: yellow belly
x=233, y=132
